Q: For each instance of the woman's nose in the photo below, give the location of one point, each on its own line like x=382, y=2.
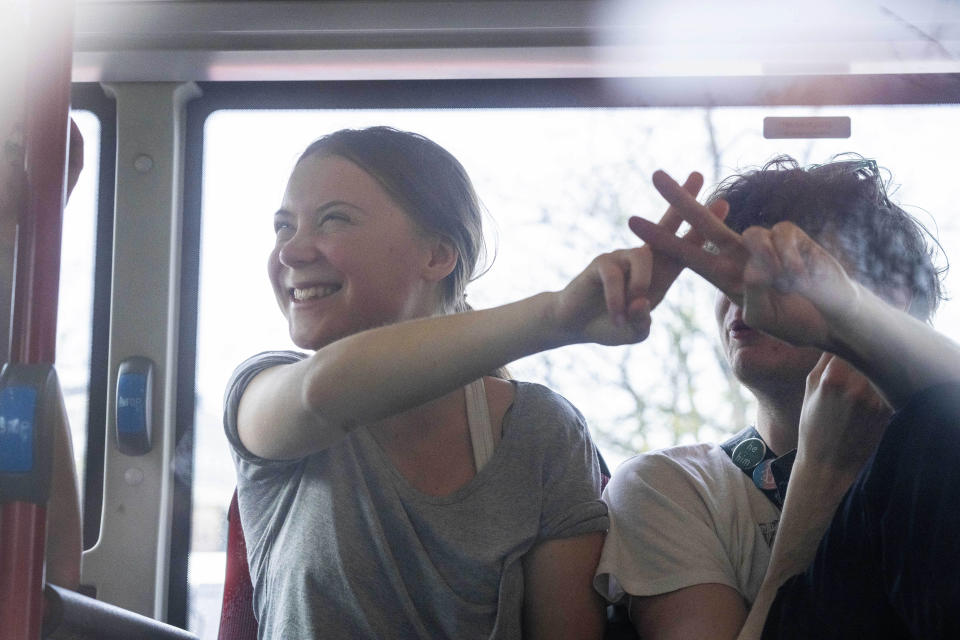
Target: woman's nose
x=300, y=249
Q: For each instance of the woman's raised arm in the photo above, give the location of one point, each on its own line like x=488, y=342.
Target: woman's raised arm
x=293, y=410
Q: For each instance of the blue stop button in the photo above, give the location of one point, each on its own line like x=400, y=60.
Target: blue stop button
x=18, y=407
x=132, y=403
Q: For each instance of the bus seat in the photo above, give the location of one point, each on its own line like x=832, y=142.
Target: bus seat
x=72, y=615
x=237, y=621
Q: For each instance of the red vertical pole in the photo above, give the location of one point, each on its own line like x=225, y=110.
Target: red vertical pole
x=34, y=326
x=46, y=131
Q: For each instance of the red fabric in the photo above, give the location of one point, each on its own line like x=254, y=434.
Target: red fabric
x=237, y=621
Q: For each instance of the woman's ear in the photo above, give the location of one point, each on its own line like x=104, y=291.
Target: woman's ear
x=442, y=258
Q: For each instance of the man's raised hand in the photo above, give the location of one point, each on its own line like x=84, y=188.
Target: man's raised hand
x=784, y=281
x=842, y=420
x=721, y=261
x=793, y=288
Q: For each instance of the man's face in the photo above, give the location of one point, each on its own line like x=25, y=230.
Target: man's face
x=759, y=361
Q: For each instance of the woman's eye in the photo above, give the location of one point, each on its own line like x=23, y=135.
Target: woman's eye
x=329, y=218
x=281, y=226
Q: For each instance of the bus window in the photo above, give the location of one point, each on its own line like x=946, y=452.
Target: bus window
x=559, y=185
x=75, y=306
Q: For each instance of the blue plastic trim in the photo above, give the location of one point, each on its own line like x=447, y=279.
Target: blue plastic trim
x=132, y=403
x=18, y=408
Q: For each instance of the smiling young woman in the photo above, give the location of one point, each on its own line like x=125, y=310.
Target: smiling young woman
x=389, y=486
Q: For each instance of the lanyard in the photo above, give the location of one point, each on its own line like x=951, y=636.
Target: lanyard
x=769, y=472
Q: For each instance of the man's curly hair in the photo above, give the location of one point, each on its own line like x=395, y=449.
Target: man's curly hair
x=843, y=205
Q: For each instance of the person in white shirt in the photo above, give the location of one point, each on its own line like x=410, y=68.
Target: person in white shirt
x=691, y=547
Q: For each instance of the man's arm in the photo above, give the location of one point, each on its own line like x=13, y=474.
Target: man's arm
x=792, y=288
x=666, y=547
x=841, y=424
x=788, y=271
x=707, y=611
x=806, y=516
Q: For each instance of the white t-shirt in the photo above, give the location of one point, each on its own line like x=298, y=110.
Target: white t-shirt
x=684, y=516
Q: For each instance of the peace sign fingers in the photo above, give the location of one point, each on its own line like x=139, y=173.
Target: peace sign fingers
x=722, y=264
x=703, y=220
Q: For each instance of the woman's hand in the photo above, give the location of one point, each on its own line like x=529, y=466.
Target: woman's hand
x=607, y=302
x=610, y=302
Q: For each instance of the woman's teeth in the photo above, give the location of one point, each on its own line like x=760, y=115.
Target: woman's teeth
x=300, y=295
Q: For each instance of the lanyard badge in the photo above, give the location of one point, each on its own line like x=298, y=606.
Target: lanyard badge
x=770, y=473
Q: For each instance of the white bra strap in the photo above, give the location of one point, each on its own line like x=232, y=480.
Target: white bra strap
x=478, y=420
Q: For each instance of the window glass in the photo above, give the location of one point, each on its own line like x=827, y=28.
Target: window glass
x=559, y=185
x=75, y=306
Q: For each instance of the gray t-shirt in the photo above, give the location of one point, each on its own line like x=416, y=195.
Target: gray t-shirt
x=342, y=546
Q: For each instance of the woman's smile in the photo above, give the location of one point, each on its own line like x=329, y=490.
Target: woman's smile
x=315, y=292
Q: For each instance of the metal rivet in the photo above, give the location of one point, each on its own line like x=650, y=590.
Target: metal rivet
x=143, y=163
x=133, y=476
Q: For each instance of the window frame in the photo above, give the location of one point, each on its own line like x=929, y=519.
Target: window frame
x=753, y=91
x=90, y=96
